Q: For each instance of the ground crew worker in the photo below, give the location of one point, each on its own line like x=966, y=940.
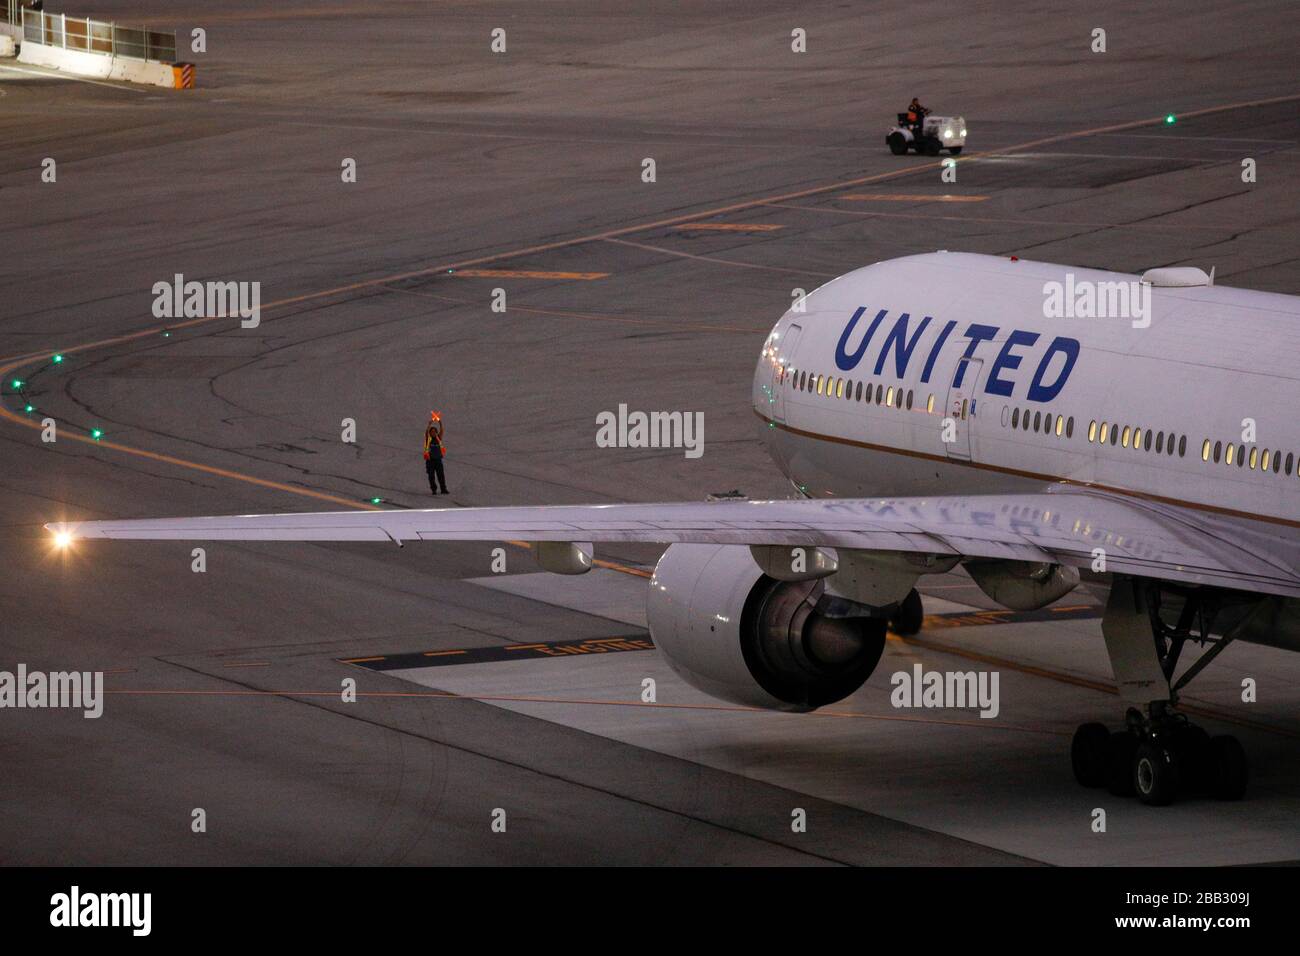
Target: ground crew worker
x=915, y=114
x=433, y=454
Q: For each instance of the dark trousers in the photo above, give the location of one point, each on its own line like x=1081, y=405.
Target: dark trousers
x=433, y=468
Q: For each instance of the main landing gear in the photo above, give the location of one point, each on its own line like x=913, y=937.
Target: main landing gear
x=1160, y=754
x=1157, y=760
x=909, y=617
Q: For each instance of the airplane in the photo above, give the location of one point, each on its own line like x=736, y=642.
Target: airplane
x=939, y=410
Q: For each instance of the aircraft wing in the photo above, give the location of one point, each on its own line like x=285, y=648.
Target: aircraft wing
x=1064, y=525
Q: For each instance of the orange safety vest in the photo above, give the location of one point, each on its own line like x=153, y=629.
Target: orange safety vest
x=432, y=435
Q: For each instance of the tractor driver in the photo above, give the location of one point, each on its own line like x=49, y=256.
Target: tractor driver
x=916, y=113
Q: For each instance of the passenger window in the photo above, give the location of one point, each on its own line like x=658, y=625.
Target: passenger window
x=963, y=409
x=909, y=399
x=1232, y=453
x=880, y=390
x=858, y=398
x=1146, y=442
x=1263, y=462
x=1160, y=442
x=1182, y=446
x=1105, y=430
x=889, y=396
x=1092, y=431
x=1069, y=427
x=1218, y=449
x=1287, y=466
x=1241, y=456
x=1114, y=434
x=1205, y=451
x=839, y=388
x=1127, y=432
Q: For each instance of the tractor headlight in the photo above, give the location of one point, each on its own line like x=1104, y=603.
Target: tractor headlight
x=947, y=134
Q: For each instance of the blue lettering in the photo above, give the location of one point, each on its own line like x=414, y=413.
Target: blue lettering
x=902, y=348
x=1038, y=392
x=976, y=334
x=934, y=352
x=842, y=358
x=1005, y=360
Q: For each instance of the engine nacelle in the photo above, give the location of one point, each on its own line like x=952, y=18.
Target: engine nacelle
x=1023, y=585
x=733, y=632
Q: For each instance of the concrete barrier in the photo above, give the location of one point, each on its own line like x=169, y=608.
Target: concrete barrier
x=104, y=66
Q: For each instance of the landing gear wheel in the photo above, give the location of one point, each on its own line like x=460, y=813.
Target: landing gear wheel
x=909, y=617
x=1089, y=753
x=1229, y=771
x=1119, y=763
x=897, y=144
x=1155, y=773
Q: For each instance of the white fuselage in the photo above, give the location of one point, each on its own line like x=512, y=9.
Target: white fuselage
x=955, y=350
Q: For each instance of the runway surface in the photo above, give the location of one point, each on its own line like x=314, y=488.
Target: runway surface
x=523, y=171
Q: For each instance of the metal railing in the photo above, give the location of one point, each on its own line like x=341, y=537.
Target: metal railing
x=11, y=12
x=97, y=36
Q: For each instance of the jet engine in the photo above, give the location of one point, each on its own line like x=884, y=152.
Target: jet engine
x=731, y=631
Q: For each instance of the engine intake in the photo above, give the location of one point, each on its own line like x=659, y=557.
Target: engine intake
x=733, y=632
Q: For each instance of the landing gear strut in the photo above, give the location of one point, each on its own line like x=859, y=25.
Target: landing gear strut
x=1160, y=753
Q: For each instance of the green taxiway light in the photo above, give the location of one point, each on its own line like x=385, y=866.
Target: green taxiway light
x=96, y=434
x=376, y=501
x=29, y=409
x=58, y=358
x=1170, y=119
x=18, y=383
